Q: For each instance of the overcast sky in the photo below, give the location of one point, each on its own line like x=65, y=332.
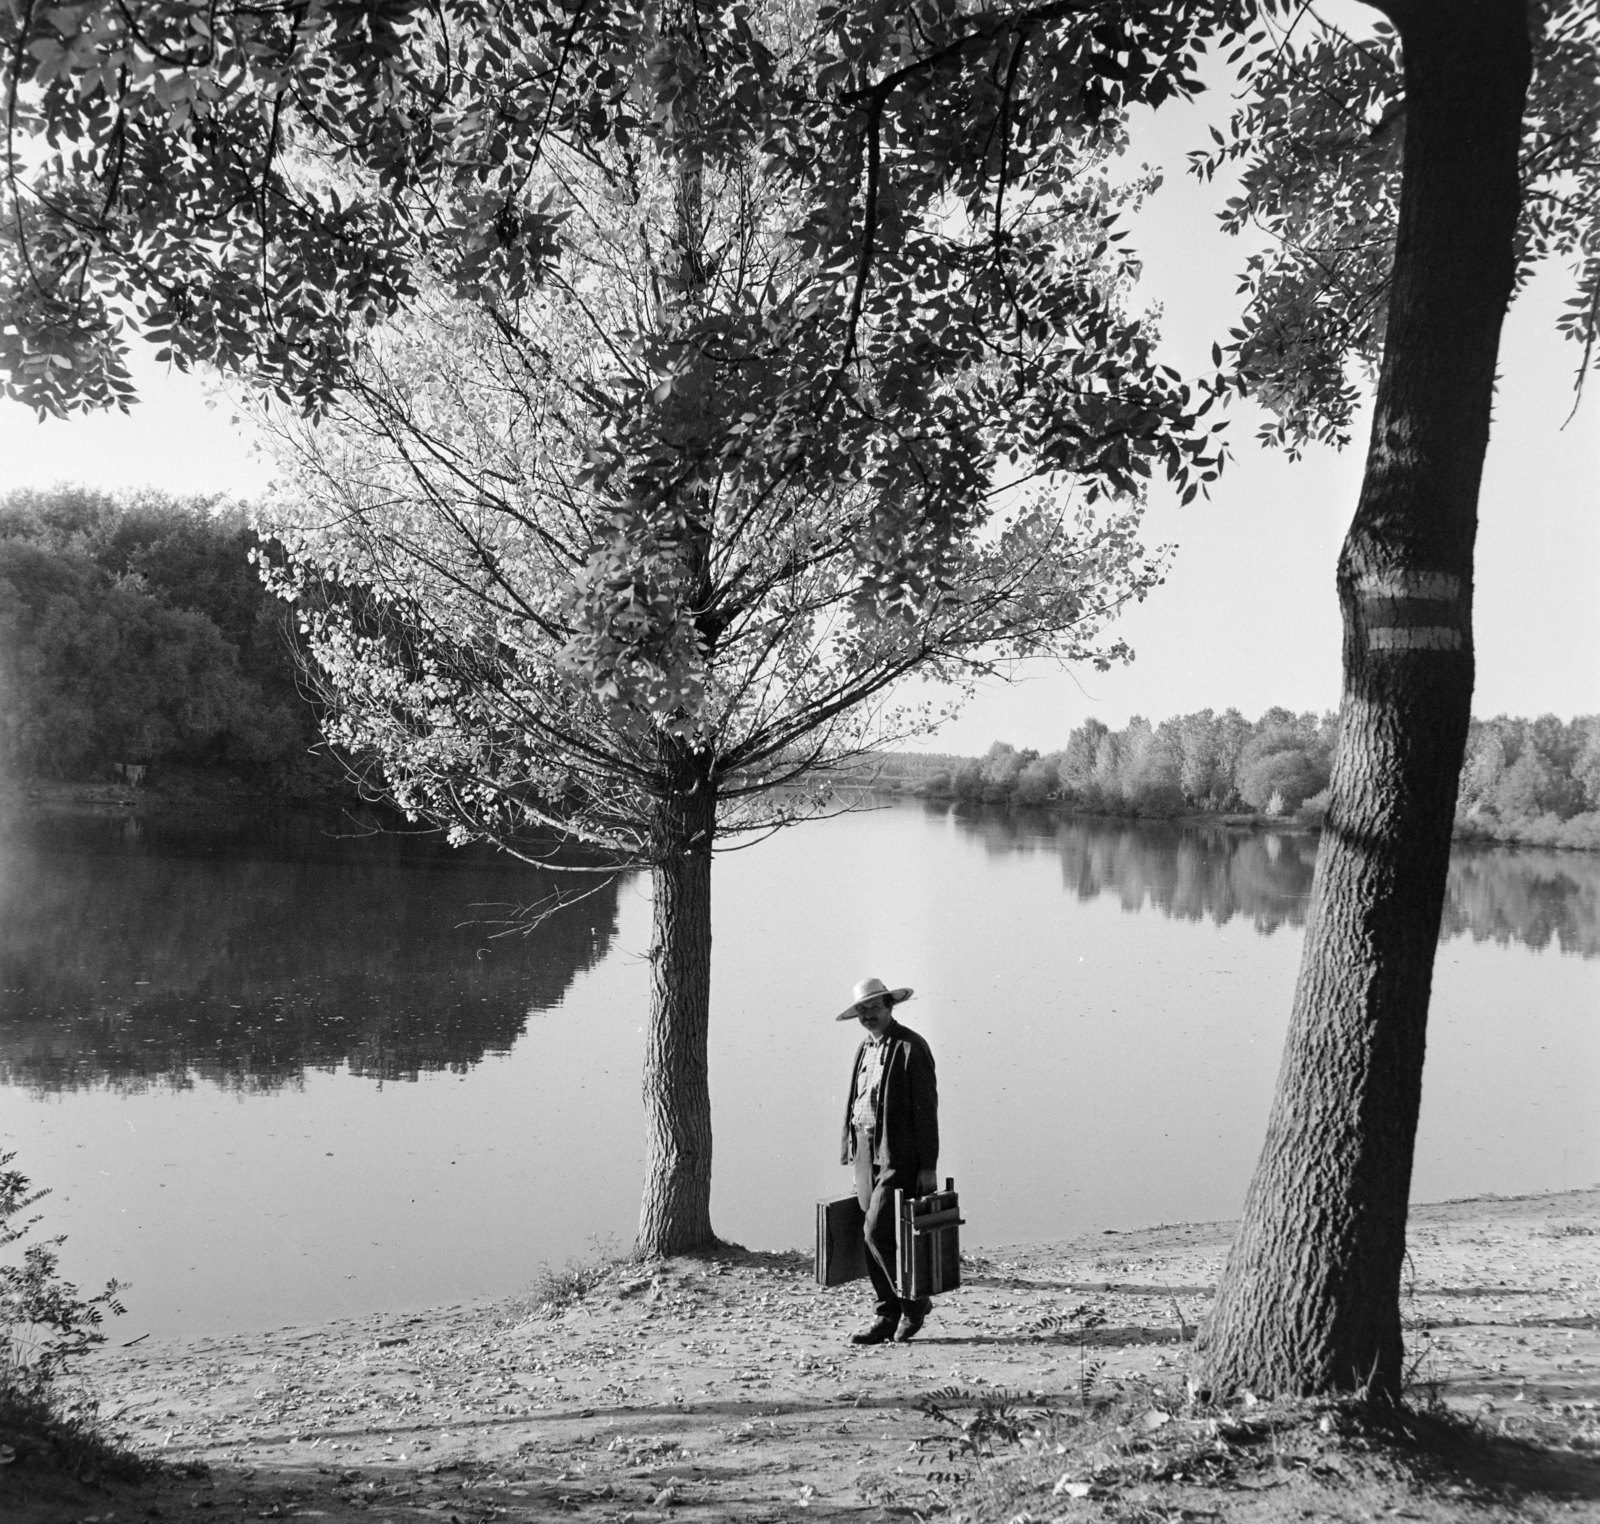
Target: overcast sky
x=1248, y=616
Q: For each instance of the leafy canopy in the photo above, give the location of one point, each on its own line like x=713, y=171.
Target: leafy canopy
x=252, y=185
x=1316, y=142
x=533, y=538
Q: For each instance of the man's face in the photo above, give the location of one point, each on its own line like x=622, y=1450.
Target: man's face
x=873, y=1014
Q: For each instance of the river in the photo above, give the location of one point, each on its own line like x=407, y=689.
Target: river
x=276, y=1070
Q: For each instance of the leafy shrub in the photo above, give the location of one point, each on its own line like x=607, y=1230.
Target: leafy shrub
x=1159, y=800
x=968, y=780
x=1293, y=774
x=44, y=1324
x=45, y=1327
x=1038, y=781
x=1523, y=771
x=556, y=1288
x=1314, y=811
x=1580, y=832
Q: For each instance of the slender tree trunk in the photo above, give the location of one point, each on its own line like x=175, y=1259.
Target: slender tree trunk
x=676, y=1213
x=1309, y=1300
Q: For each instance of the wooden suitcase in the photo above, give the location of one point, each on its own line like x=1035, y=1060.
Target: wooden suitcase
x=841, y=1245
x=928, y=1237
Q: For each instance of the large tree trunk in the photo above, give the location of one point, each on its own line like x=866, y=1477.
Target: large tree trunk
x=676, y=1213
x=1309, y=1300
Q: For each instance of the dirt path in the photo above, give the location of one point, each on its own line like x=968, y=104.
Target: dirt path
x=726, y=1389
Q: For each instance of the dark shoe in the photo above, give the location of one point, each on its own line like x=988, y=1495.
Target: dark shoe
x=911, y=1321
x=880, y=1333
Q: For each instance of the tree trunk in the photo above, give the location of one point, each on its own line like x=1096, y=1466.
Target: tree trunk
x=1310, y=1298
x=676, y=1213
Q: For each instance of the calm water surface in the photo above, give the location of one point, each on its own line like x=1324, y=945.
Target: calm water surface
x=273, y=1074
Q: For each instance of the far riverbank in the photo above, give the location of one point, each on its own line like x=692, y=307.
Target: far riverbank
x=195, y=788
x=1580, y=834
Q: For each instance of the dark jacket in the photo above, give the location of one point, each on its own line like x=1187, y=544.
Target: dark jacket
x=906, y=1138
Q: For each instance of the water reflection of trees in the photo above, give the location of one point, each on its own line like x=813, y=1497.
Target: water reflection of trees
x=173, y=957
x=1536, y=897
x=1523, y=894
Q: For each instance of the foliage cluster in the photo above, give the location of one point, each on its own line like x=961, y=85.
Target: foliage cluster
x=1201, y=761
x=1535, y=782
x=310, y=170
x=556, y=1289
x=299, y=164
x=45, y=1328
x=135, y=630
x=571, y=561
x=1316, y=142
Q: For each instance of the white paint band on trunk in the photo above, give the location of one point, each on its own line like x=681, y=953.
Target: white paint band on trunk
x=1429, y=587
x=1414, y=637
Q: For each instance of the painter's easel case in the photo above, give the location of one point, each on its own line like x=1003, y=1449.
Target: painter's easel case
x=929, y=1241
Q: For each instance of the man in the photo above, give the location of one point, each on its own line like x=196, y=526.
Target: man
x=891, y=1134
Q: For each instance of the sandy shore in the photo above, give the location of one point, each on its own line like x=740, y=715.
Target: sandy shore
x=726, y=1387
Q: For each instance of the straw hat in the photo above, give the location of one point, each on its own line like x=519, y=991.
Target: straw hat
x=869, y=989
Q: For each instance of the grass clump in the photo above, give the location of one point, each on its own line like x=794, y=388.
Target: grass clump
x=46, y=1416
x=556, y=1288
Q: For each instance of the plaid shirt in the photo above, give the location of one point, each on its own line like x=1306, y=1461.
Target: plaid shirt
x=869, y=1075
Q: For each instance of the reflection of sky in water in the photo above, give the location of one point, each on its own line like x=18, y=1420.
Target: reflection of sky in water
x=1097, y=1068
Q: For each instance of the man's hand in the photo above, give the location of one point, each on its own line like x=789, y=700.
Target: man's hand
x=927, y=1180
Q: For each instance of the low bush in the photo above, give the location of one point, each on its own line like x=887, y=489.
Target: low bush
x=46, y=1327
x=1314, y=811
x=556, y=1288
x=1581, y=832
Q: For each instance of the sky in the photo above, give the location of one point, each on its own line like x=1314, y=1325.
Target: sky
x=1247, y=617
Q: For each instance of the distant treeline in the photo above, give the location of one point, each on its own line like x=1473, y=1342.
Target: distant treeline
x=1203, y=761
x=134, y=630
x=1533, y=781
x=1528, y=781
